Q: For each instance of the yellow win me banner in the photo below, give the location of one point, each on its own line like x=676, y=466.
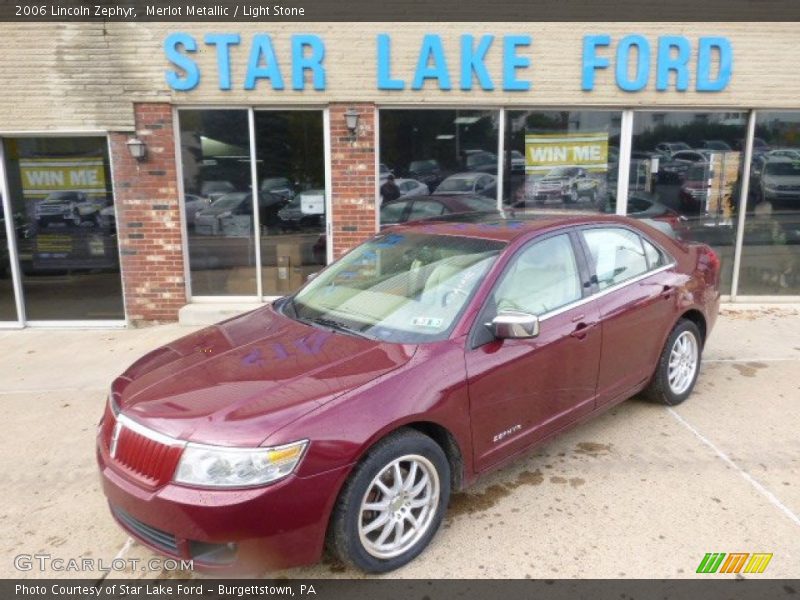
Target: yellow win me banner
x=40, y=177
x=544, y=151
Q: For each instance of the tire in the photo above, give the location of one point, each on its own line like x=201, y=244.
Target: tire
x=671, y=392
x=364, y=550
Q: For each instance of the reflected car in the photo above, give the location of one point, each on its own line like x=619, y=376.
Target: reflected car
x=780, y=183
x=305, y=210
x=790, y=153
x=348, y=412
x=426, y=207
x=669, y=148
x=411, y=187
x=716, y=145
x=675, y=169
x=427, y=171
x=694, y=189
x=468, y=183
x=643, y=205
x=69, y=208
x=565, y=184
x=517, y=159
x=278, y=186
x=232, y=214
x=215, y=189
x=480, y=160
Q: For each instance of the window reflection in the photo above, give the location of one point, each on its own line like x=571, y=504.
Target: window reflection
x=63, y=220
x=685, y=171
x=218, y=202
x=437, y=162
x=561, y=160
x=291, y=173
x=8, y=310
x=771, y=243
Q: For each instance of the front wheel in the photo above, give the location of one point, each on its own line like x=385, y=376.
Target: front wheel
x=678, y=366
x=392, y=504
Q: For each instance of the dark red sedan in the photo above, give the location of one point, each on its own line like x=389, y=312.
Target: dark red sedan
x=425, y=357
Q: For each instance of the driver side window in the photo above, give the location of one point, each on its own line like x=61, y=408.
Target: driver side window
x=542, y=278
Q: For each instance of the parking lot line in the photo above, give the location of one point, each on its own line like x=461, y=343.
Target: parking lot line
x=750, y=479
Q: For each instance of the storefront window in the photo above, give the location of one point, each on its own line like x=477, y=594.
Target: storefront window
x=771, y=242
x=561, y=160
x=215, y=155
x=685, y=172
x=450, y=155
x=290, y=160
x=8, y=309
x=63, y=213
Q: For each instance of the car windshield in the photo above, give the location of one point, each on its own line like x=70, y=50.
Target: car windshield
x=791, y=169
x=457, y=184
x=563, y=172
x=229, y=201
x=62, y=197
x=421, y=166
x=397, y=287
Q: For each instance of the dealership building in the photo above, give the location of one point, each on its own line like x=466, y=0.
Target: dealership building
x=157, y=171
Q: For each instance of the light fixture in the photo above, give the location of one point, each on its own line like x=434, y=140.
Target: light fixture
x=137, y=148
x=351, y=120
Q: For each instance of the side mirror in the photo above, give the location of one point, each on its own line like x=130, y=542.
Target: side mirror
x=515, y=325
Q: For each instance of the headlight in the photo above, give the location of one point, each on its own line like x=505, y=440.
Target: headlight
x=218, y=466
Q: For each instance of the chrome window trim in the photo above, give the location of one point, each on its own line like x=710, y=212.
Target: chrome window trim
x=605, y=292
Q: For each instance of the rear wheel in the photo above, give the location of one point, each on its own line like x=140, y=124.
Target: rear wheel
x=678, y=366
x=392, y=504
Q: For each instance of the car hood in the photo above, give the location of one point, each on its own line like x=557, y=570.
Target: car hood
x=781, y=180
x=237, y=382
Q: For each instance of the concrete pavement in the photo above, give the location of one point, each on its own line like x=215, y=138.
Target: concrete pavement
x=643, y=491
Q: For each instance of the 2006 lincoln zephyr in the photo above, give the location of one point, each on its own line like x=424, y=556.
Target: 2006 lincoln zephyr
x=433, y=353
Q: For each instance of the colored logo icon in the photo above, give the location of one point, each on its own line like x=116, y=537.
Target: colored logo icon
x=735, y=562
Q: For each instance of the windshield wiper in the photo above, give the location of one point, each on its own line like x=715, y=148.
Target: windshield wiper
x=332, y=324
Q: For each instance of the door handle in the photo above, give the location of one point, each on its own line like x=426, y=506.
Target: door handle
x=666, y=291
x=582, y=330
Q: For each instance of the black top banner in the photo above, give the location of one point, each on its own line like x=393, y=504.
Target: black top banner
x=401, y=10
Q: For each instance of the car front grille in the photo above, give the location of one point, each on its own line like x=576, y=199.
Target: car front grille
x=144, y=455
x=150, y=535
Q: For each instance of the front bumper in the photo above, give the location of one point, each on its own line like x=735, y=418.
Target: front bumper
x=240, y=530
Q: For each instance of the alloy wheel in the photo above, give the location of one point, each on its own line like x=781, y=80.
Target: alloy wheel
x=682, y=363
x=399, y=506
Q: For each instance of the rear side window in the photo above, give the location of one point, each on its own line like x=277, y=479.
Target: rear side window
x=423, y=209
x=617, y=255
x=392, y=213
x=655, y=258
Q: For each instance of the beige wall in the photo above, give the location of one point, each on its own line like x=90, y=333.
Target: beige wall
x=85, y=76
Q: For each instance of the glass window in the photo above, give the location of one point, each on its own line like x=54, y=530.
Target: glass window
x=444, y=152
x=561, y=159
x=687, y=167
x=8, y=309
x=424, y=209
x=399, y=287
x=771, y=242
x=617, y=255
x=215, y=154
x=655, y=258
x=392, y=212
x=290, y=160
x=63, y=214
x=541, y=278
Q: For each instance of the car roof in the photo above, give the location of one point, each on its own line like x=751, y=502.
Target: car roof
x=506, y=226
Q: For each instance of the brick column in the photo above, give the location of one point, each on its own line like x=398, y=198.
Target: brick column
x=149, y=220
x=353, y=177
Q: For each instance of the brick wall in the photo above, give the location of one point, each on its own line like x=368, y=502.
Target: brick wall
x=148, y=218
x=353, y=177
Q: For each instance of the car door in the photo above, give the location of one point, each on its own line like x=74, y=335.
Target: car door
x=636, y=295
x=522, y=390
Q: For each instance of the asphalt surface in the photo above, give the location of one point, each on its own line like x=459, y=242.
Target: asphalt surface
x=643, y=491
